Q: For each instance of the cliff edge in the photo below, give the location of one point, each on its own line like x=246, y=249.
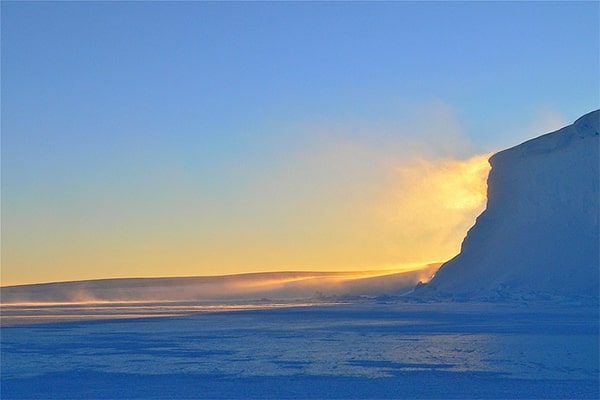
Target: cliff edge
x=539, y=234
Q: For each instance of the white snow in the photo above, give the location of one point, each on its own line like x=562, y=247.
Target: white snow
x=538, y=236
x=360, y=350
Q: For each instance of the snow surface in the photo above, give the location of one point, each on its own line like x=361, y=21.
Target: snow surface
x=539, y=235
x=365, y=349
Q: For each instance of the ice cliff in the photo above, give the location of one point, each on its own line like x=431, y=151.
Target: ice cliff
x=539, y=233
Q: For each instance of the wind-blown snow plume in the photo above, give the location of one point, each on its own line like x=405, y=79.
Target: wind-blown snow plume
x=329, y=196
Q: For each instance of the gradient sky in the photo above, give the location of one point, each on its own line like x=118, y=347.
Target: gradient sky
x=203, y=138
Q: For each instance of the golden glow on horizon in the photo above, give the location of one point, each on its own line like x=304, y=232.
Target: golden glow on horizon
x=356, y=218
x=199, y=295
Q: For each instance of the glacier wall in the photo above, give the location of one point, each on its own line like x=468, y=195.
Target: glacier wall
x=539, y=232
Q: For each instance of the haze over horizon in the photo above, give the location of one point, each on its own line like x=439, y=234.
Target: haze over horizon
x=194, y=139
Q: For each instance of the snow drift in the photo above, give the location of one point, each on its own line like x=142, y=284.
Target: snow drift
x=539, y=233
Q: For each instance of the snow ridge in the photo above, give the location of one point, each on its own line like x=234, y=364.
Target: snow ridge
x=538, y=236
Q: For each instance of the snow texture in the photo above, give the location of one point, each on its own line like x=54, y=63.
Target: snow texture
x=366, y=349
x=538, y=236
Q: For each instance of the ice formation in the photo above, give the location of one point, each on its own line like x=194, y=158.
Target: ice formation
x=539, y=233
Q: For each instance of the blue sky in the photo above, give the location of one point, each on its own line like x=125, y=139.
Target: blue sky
x=123, y=118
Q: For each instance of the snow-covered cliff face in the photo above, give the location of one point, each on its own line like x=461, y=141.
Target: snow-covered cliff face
x=539, y=233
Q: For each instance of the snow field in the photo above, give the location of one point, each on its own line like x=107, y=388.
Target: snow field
x=377, y=350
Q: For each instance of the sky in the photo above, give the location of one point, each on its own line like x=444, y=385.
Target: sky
x=210, y=138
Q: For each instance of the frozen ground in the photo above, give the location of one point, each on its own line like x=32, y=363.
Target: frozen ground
x=362, y=349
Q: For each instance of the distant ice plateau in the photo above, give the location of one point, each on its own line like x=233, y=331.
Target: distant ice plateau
x=272, y=285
